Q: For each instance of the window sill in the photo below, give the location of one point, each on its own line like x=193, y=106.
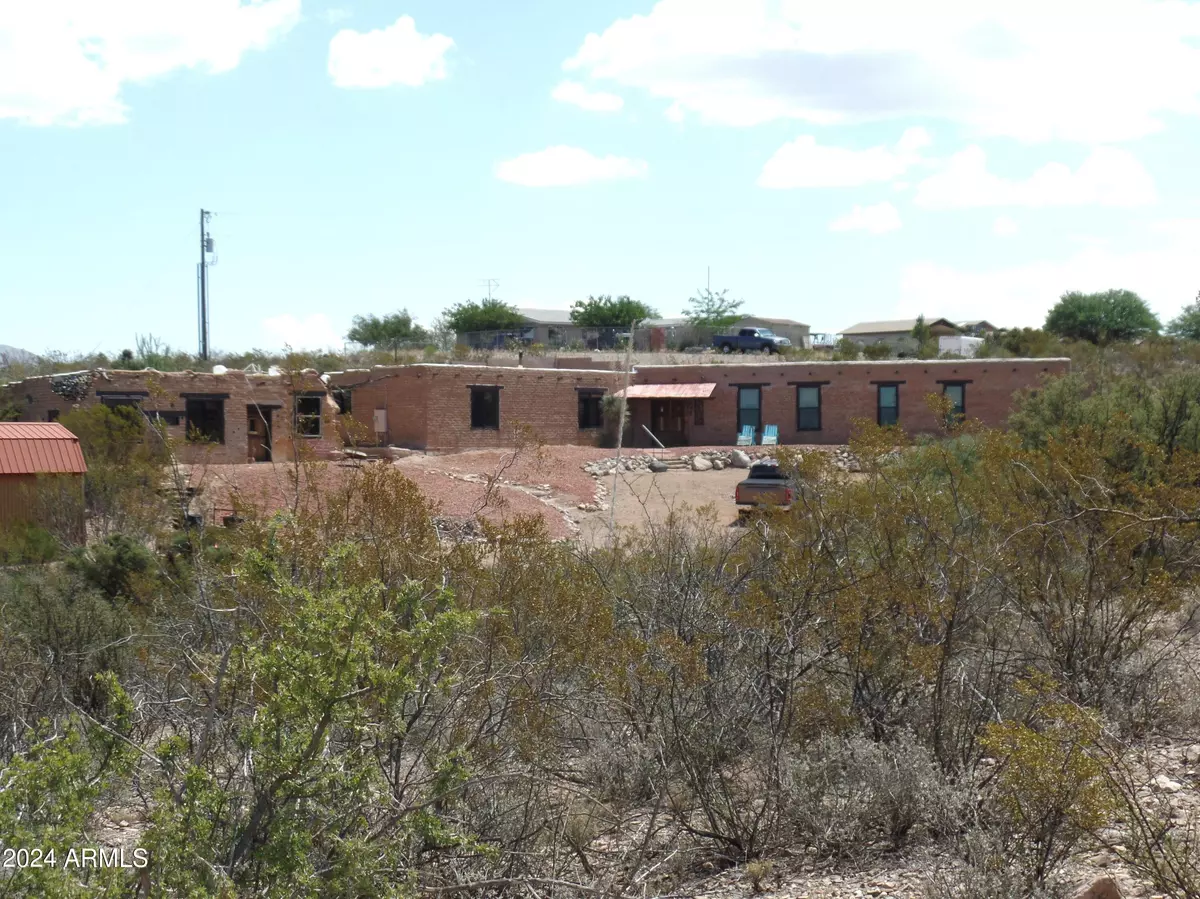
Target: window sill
x=485, y=427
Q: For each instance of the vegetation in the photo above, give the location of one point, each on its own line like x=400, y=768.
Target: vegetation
x=605, y=312
x=1115, y=315
x=713, y=309
x=392, y=332
x=485, y=315
x=953, y=652
x=1186, y=325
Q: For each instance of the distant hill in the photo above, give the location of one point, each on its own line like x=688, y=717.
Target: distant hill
x=10, y=354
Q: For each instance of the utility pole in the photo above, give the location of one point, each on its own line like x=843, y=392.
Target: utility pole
x=490, y=283
x=206, y=247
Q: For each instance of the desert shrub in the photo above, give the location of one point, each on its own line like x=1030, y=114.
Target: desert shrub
x=985, y=871
x=849, y=794
x=112, y=566
x=27, y=544
x=875, y=351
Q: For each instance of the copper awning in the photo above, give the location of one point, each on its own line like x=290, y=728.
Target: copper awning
x=668, y=391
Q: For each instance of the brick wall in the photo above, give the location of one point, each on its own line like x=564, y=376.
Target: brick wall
x=166, y=392
x=848, y=391
x=429, y=406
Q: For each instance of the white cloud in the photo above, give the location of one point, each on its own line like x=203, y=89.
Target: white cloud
x=877, y=219
x=674, y=113
x=1004, y=227
x=335, y=15
x=596, y=101
x=565, y=166
x=805, y=163
x=1108, y=177
x=397, y=54
x=1074, y=69
x=65, y=62
x=311, y=333
x=1165, y=276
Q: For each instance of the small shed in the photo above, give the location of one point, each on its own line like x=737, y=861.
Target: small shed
x=35, y=459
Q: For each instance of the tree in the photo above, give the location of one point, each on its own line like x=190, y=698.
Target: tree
x=1102, y=317
x=923, y=335
x=713, y=310
x=605, y=312
x=486, y=315
x=1187, y=323
x=388, y=333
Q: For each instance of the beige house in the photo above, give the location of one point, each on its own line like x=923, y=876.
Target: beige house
x=897, y=334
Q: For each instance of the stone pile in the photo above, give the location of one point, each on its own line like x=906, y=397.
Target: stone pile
x=457, y=530
x=846, y=460
x=602, y=467
x=73, y=386
x=716, y=460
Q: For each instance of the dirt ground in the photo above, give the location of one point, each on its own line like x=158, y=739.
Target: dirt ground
x=497, y=485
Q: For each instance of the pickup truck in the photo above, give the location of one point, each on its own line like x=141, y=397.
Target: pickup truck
x=765, y=485
x=752, y=340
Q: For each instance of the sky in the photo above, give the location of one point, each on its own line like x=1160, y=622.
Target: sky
x=828, y=163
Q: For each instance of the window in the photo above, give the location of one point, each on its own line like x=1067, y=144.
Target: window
x=52, y=415
x=308, y=416
x=698, y=412
x=591, y=414
x=889, y=404
x=485, y=407
x=957, y=394
x=343, y=399
x=206, y=420
x=749, y=408
x=808, y=408
x=168, y=418
x=117, y=400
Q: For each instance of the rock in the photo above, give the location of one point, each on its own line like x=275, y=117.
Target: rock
x=1104, y=888
x=699, y=463
x=1191, y=755
x=657, y=466
x=739, y=459
x=1164, y=783
x=718, y=465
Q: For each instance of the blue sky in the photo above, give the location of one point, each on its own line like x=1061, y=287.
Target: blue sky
x=877, y=161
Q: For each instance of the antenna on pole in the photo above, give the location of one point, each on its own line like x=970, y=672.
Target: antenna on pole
x=206, y=247
x=489, y=283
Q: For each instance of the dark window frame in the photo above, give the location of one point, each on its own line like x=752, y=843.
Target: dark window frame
x=800, y=426
x=52, y=415
x=880, y=386
x=590, y=409
x=477, y=423
x=698, y=412
x=758, y=389
x=304, y=422
x=959, y=412
x=207, y=403
x=344, y=397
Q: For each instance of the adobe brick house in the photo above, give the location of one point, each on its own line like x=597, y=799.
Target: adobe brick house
x=232, y=417
x=456, y=407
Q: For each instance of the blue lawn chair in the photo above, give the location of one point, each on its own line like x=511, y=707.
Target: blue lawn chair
x=770, y=435
x=746, y=438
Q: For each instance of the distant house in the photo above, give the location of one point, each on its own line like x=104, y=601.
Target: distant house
x=549, y=327
x=897, y=334
x=796, y=332
x=41, y=474
x=980, y=328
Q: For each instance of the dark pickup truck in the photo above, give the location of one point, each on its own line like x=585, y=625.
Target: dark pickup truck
x=765, y=485
x=750, y=340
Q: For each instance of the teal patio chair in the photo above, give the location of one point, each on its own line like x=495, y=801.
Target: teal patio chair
x=746, y=438
x=770, y=435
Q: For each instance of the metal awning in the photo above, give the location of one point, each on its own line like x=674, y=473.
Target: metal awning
x=668, y=391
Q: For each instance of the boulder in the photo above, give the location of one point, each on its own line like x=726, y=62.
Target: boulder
x=699, y=463
x=658, y=466
x=1164, y=783
x=1104, y=888
x=718, y=465
x=739, y=459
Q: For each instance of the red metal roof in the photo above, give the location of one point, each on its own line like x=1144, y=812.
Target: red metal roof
x=668, y=391
x=34, y=448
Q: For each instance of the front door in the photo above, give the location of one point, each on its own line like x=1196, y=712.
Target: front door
x=667, y=422
x=258, y=430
